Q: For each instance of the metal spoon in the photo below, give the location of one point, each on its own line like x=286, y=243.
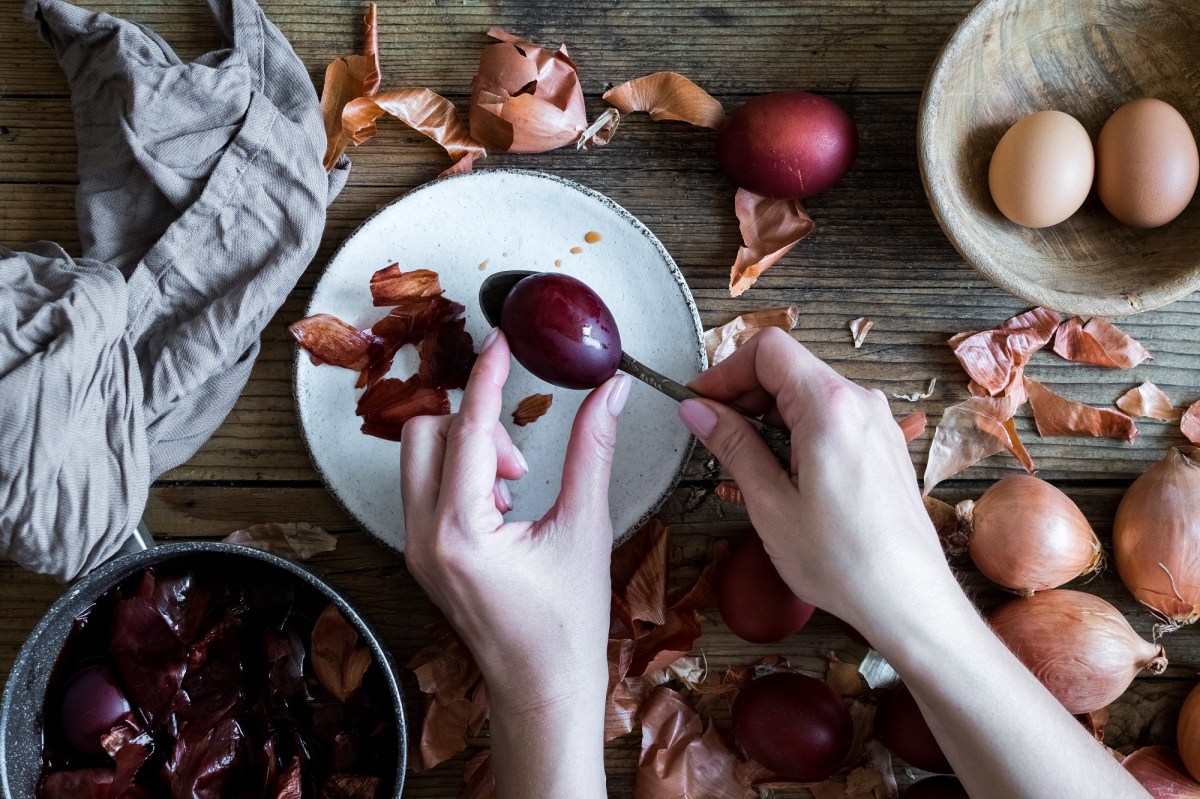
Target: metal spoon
x=495, y=289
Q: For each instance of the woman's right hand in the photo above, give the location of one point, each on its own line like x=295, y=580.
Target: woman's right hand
x=846, y=529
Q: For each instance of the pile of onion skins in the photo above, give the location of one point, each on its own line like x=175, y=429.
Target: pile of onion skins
x=525, y=98
x=203, y=682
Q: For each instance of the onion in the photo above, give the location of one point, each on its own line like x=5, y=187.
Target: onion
x=1026, y=535
x=794, y=725
x=1156, y=537
x=1189, y=732
x=1161, y=772
x=1079, y=646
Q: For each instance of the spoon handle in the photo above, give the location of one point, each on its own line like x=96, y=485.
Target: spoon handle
x=776, y=438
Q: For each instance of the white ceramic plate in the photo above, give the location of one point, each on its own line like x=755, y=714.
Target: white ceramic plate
x=465, y=228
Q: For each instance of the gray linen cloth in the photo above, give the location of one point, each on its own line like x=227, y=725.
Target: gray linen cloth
x=201, y=200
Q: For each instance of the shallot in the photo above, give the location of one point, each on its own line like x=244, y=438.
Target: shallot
x=1188, y=730
x=1079, y=646
x=1026, y=535
x=1161, y=773
x=1156, y=537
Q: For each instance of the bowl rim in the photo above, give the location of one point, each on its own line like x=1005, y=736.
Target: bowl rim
x=107, y=576
x=996, y=272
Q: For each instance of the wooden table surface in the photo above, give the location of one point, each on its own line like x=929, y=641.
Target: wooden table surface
x=877, y=251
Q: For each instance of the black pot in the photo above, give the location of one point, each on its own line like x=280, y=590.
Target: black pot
x=24, y=696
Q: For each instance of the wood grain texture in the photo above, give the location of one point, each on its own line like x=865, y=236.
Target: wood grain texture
x=878, y=251
x=1088, y=58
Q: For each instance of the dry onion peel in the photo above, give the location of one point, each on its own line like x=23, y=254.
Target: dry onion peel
x=424, y=111
x=1161, y=772
x=1078, y=646
x=1156, y=537
x=1058, y=416
x=667, y=95
x=478, y=776
x=770, y=228
x=681, y=758
x=858, y=330
x=728, y=491
x=296, y=541
x=347, y=79
x=1148, y=400
x=994, y=358
x=456, y=701
x=912, y=426
x=1189, y=425
x=1099, y=343
x=526, y=98
x=721, y=342
x=971, y=431
x=919, y=395
x=1025, y=535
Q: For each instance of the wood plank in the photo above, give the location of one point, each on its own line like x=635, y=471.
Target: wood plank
x=865, y=44
x=376, y=580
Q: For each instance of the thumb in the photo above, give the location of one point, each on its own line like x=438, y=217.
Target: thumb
x=590, y=451
x=738, y=446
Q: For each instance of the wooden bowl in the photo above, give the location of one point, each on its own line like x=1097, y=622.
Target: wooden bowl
x=1085, y=57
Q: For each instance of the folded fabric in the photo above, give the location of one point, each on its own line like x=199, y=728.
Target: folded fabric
x=201, y=200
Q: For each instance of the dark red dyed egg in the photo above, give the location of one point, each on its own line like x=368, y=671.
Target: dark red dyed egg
x=92, y=704
x=754, y=601
x=902, y=728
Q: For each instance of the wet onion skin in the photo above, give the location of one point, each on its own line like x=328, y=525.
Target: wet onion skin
x=1078, y=645
x=561, y=331
x=1160, y=771
x=903, y=729
x=754, y=601
x=1026, y=535
x=942, y=787
x=787, y=145
x=794, y=725
x=1156, y=536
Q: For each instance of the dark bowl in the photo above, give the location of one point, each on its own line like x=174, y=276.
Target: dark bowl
x=21, y=709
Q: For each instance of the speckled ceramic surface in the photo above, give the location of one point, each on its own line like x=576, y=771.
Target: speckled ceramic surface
x=465, y=228
x=21, y=706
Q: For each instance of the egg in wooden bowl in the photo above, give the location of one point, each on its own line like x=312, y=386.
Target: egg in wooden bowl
x=1086, y=59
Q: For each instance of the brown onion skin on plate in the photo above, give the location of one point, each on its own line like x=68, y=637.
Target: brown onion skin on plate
x=794, y=725
x=1160, y=771
x=754, y=601
x=1156, y=536
x=1026, y=535
x=903, y=729
x=787, y=145
x=1078, y=645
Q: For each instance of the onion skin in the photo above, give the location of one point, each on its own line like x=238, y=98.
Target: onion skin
x=1188, y=739
x=1156, y=536
x=787, y=145
x=1026, y=535
x=1077, y=645
x=1161, y=772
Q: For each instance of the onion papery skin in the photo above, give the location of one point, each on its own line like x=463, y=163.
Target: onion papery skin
x=1161, y=772
x=1025, y=535
x=1077, y=645
x=1188, y=738
x=1156, y=536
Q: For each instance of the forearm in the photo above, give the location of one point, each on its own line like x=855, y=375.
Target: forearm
x=552, y=748
x=1003, y=732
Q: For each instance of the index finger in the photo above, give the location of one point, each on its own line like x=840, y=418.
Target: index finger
x=771, y=361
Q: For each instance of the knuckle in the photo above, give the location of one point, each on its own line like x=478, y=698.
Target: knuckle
x=730, y=443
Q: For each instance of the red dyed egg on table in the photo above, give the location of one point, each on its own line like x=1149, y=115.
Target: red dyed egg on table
x=794, y=725
x=561, y=331
x=92, y=704
x=903, y=729
x=787, y=145
x=754, y=601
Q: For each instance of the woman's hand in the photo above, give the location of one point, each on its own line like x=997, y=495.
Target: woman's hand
x=529, y=598
x=846, y=528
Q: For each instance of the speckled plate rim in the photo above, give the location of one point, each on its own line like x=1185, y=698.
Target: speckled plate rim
x=685, y=292
x=935, y=87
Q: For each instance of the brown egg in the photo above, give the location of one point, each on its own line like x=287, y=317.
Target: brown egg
x=1041, y=171
x=1146, y=163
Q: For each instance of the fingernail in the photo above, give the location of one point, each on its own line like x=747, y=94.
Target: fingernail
x=520, y=459
x=697, y=417
x=618, y=394
x=489, y=340
x=505, y=496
